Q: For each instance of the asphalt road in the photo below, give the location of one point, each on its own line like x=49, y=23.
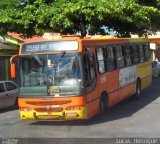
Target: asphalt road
x=129, y=119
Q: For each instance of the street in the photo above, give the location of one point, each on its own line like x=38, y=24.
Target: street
x=129, y=119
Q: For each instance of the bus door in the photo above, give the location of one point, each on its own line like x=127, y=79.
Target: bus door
x=108, y=75
x=91, y=84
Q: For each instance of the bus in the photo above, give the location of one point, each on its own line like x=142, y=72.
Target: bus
x=75, y=77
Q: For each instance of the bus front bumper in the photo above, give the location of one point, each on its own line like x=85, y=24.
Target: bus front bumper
x=64, y=115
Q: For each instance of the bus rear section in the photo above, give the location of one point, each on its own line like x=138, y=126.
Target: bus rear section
x=123, y=68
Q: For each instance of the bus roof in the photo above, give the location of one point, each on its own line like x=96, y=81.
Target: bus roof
x=154, y=40
x=93, y=38
x=74, y=43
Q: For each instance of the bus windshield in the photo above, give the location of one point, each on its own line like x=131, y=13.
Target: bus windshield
x=57, y=74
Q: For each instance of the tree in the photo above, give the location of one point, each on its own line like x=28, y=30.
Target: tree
x=31, y=17
x=7, y=10
x=8, y=3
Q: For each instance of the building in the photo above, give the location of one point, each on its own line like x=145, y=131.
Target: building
x=5, y=53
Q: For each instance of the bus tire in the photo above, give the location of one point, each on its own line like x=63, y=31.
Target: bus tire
x=138, y=89
x=103, y=104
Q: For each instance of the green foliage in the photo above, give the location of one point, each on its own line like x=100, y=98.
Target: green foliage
x=31, y=17
x=8, y=3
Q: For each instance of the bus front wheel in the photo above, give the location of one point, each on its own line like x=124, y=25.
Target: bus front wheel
x=103, y=104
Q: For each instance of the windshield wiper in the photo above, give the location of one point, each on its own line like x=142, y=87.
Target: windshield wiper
x=61, y=55
x=37, y=59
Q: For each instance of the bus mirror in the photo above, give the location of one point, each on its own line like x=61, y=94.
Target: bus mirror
x=13, y=65
x=13, y=70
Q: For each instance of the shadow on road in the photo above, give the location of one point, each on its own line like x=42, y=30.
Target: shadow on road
x=124, y=109
x=4, y=110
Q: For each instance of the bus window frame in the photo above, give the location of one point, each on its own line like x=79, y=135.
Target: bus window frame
x=91, y=84
x=134, y=55
x=104, y=59
x=127, y=55
x=106, y=49
x=140, y=52
x=146, y=47
x=120, y=57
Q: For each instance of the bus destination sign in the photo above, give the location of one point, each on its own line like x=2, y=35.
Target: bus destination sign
x=49, y=46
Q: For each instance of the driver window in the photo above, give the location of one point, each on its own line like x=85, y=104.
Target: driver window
x=34, y=73
x=89, y=68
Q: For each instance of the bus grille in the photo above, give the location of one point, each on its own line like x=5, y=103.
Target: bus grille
x=45, y=109
x=44, y=103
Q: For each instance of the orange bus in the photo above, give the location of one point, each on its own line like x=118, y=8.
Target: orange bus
x=76, y=78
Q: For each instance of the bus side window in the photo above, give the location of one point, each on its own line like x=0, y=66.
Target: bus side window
x=147, y=54
x=89, y=69
x=110, y=59
x=141, y=53
x=119, y=56
x=127, y=55
x=101, y=60
x=134, y=54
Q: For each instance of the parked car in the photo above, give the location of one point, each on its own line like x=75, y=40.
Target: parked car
x=155, y=69
x=8, y=94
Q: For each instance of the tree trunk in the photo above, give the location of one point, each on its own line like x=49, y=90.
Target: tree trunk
x=82, y=26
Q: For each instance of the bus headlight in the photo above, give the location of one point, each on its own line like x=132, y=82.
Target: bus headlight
x=25, y=109
x=73, y=108
x=72, y=115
